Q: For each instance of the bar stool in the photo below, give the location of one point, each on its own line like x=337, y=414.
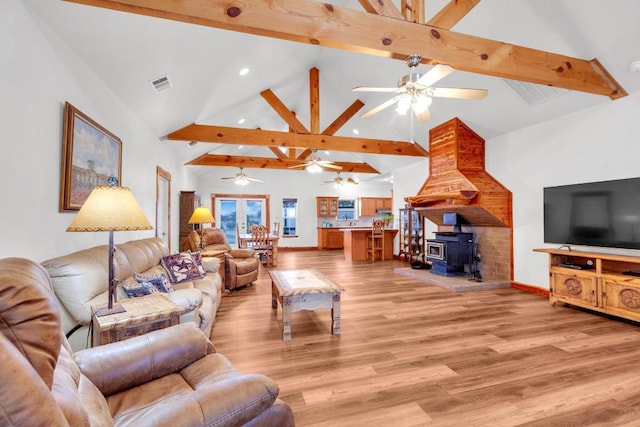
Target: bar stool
x=375, y=242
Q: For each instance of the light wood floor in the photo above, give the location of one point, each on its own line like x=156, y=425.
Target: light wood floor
x=413, y=354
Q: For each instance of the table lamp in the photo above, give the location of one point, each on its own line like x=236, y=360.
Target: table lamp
x=202, y=215
x=110, y=208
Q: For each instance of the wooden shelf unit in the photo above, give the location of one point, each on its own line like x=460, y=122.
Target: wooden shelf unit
x=189, y=201
x=411, y=235
x=327, y=206
x=600, y=286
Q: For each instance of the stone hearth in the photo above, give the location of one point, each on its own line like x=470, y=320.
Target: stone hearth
x=455, y=284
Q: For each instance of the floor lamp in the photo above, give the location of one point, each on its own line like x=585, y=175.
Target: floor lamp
x=110, y=209
x=202, y=215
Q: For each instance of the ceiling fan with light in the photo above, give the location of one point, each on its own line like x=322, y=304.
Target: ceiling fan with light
x=339, y=181
x=316, y=165
x=241, y=178
x=415, y=90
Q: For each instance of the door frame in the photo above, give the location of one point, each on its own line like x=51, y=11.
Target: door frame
x=266, y=197
x=163, y=174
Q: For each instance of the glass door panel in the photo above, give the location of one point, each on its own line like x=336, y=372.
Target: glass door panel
x=243, y=212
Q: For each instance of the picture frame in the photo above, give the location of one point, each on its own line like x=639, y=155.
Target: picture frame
x=91, y=156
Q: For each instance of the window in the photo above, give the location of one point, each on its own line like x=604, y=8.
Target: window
x=289, y=214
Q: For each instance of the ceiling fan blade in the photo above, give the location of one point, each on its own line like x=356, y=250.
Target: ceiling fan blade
x=438, y=72
x=252, y=179
x=380, y=107
x=460, y=93
x=330, y=166
x=422, y=114
x=352, y=181
x=229, y=177
x=302, y=165
x=375, y=89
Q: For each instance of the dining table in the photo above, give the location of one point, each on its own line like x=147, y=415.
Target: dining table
x=245, y=239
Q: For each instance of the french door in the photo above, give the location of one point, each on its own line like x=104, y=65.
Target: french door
x=241, y=212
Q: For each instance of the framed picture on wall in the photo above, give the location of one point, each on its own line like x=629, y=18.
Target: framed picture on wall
x=91, y=156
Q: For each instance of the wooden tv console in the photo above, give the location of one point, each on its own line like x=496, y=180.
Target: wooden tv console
x=595, y=281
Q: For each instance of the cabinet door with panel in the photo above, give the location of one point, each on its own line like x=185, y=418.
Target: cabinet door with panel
x=579, y=288
x=621, y=297
x=327, y=206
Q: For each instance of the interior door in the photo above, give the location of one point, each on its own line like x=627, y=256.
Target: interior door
x=243, y=212
x=163, y=205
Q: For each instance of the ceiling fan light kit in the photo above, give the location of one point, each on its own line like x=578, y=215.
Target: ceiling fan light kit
x=241, y=178
x=416, y=91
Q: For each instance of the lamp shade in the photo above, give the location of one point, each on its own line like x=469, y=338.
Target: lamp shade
x=110, y=209
x=201, y=215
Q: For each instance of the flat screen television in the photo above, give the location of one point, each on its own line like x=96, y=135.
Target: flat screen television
x=605, y=213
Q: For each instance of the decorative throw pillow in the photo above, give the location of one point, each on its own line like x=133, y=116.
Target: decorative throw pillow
x=197, y=258
x=138, y=289
x=181, y=267
x=159, y=280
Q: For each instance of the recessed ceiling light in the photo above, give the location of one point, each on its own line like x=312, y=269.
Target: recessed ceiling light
x=241, y=121
x=356, y=132
x=240, y=147
x=635, y=66
x=328, y=153
x=244, y=72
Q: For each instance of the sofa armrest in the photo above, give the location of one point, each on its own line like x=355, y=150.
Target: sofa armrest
x=189, y=299
x=242, y=253
x=121, y=365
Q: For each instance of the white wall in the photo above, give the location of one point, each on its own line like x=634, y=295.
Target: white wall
x=281, y=184
x=600, y=143
x=38, y=75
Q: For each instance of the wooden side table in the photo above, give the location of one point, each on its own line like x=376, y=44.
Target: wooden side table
x=141, y=315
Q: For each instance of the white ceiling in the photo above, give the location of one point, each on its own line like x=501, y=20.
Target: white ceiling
x=129, y=51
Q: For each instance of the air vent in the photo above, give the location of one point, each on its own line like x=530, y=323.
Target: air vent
x=161, y=84
x=533, y=93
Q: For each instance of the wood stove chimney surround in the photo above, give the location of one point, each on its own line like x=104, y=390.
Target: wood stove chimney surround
x=458, y=181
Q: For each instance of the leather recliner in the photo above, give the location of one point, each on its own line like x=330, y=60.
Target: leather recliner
x=167, y=377
x=241, y=265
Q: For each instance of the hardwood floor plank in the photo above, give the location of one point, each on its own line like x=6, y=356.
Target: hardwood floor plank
x=414, y=354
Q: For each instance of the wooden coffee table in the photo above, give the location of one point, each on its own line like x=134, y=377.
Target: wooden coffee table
x=304, y=290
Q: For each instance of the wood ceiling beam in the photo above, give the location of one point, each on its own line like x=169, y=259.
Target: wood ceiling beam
x=279, y=154
x=382, y=7
x=270, y=163
x=294, y=124
x=270, y=138
x=324, y=24
x=413, y=10
x=314, y=100
x=452, y=13
x=344, y=117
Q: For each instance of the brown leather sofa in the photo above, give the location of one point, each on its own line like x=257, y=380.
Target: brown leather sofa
x=241, y=265
x=168, y=377
x=80, y=280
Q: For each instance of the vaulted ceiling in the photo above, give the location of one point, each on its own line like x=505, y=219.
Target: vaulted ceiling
x=201, y=48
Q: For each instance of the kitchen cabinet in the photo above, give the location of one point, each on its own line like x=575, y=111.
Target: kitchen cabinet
x=327, y=206
x=369, y=205
x=330, y=238
x=606, y=283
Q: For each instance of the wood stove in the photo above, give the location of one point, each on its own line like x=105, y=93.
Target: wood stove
x=449, y=252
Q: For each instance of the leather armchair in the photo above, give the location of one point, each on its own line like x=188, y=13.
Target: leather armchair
x=241, y=265
x=168, y=377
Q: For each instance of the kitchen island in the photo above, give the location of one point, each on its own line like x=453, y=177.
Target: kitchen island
x=355, y=242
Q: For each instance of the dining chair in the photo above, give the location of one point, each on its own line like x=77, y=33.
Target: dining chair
x=261, y=243
x=375, y=243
